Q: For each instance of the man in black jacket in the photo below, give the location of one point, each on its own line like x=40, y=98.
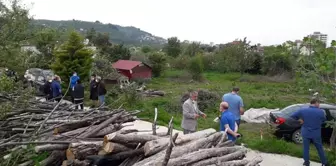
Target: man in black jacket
x=78, y=94
x=101, y=91
x=47, y=90
x=93, y=90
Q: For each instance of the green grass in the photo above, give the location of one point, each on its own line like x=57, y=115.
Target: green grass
x=255, y=91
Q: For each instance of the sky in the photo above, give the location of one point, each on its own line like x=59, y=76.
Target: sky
x=219, y=21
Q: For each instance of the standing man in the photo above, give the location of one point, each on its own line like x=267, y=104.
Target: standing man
x=101, y=90
x=236, y=105
x=93, y=90
x=47, y=89
x=73, y=81
x=56, y=88
x=228, y=122
x=78, y=94
x=191, y=113
x=313, y=117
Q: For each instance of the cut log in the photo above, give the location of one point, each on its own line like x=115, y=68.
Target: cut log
x=129, y=138
x=152, y=147
x=232, y=156
x=75, y=163
x=81, y=150
x=109, y=129
x=255, y=161
x=180, y=150
x=234, y=163
x=111, y=147
x=27, y=163
x=101, y=126
x=55, y=158
x=193, y=157
x=169, y=150
x=50, y=147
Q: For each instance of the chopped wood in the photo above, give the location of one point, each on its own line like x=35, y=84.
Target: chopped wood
x=169, y=150
x=228, y=157
x=50, y=147
x=129, y=138
x=255, y=161
x=112, y=147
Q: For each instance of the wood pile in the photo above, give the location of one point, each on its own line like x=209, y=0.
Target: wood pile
x=96, y=137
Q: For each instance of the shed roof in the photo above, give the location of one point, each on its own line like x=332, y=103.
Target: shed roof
x=125, y=64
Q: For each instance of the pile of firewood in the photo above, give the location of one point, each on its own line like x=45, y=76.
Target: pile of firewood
x=74, y=137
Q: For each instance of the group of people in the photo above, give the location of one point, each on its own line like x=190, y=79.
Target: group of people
x=232, y=107
x=53, y=90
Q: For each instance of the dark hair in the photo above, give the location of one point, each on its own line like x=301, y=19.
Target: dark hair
x=235, y=89
x=93, y=75
x=79, y=81
x=314, y=101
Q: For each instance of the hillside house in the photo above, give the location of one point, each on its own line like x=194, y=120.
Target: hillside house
x=133, y=69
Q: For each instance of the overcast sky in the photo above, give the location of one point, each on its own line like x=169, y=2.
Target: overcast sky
x=219, y=21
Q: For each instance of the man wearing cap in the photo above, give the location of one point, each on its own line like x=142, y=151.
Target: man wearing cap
x=236, y=105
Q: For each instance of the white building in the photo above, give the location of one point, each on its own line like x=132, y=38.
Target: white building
x=320, y=36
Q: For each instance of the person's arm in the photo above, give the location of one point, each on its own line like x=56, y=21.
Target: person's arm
x=241, y=106
x=187, y=113
x=227, y=127
x=200, y=112
x=236, y=128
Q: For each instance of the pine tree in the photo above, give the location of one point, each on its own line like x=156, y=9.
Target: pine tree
x=71, y=57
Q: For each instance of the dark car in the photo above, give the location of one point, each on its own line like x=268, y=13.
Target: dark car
x=288, y=127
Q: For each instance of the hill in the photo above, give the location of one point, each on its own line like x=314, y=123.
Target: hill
x=128, y=35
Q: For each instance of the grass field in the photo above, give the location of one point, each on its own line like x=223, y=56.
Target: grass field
x=256, y=91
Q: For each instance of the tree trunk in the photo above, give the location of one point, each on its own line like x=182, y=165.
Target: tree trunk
x=169, y=150
x=333, y=138
x=81, y=150
x=75, y=163
x=129, y=138
x=55, y=158
x=155, y=146
x=231, y=156
x=111, y=147
x=255, y=161
x=50, y=147
x=234, y=163
x=200, y=155
x=180, y=150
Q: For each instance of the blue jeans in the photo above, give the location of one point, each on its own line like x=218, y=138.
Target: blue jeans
x=319, y=147
x=101, y=99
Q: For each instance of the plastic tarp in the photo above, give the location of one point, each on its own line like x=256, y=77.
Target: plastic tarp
x=257, y=115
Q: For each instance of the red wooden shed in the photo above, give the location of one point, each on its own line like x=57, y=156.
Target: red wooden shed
x=133, y=69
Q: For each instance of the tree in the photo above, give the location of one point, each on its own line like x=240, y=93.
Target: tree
x=196, y=67
x=102, y=40
x=318, y=72
x=117, y=52
x=91, y=35
x=173, y=47
x=277, y=59
x=157, y=61
x=146, y=49
x=193, y=49
x=73, y=56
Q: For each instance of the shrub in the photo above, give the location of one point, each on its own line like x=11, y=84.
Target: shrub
x=206, y=99
x=180, y=62
x=196, y=67
x=158, y=62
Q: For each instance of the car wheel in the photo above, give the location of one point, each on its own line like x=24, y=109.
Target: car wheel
x=297, y=137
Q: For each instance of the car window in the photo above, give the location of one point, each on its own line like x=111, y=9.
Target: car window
x=290, y=109
x=333, y=113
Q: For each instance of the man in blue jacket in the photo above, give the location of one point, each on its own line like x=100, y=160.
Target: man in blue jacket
x=313, y=117
x=56, y=89
x=73, y=81
x=228, y=122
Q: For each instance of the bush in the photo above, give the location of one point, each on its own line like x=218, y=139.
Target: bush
x=180, y=62
x=158, y=63
x=206, y=99
x=196, y=67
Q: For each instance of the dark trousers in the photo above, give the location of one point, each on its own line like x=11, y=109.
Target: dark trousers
x=81, y=106
x=238, y=122
x=187, y=131
x=319, y=147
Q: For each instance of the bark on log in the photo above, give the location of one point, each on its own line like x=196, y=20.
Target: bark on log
x=81, y=150
x=75, y=163
x=201, y=154
x=180, y=150
x=101, y=126
x=55, y=158
x=155, y=146
x=234, y=163
x=50, y=147
x=232, y=156
x=255, y=161
x=227, y=143
x=129, y=138
x=27, y=163
x=111, y=147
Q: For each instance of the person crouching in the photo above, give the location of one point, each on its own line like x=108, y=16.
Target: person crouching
x=228, y=122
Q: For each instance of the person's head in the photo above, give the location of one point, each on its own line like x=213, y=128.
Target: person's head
x=235, y=90
x=194, y=95
x=79, y=81
x=74, y=74
x=6, y=69
x=98, y=79
x=93, y=76
x=315, y=102
x=224, y=106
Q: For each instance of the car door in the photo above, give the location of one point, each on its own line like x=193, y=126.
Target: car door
x=325, y=130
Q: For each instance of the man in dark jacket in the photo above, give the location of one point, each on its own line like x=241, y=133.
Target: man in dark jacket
x=78, y=94
x=93, y=89
x=73, y=82
x=47, y=89
x=101, y=90
x=313, y=117
x=56, y=88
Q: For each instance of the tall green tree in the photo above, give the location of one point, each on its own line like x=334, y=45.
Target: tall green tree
x=91, y=35
x=158, y=63
x=193, y=49
x=117, y=52
x=318, y=72
x=73, y=56
x=196, y=67
x=173, y=47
